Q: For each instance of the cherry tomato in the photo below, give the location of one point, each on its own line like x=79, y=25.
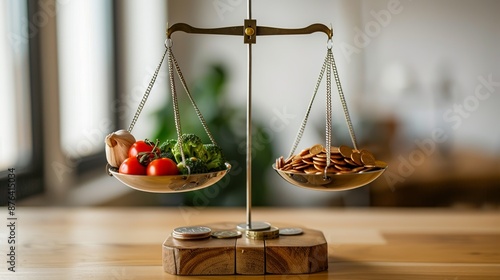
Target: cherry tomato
x=161, y=167
x=140, y=147
x=132, y=166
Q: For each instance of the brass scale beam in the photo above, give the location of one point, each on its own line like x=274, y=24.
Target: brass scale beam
x=250, y=31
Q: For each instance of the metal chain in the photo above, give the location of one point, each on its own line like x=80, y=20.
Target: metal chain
x=193, y=103
x=344, y=103
x=175, y=103
x=306, y=117
x=146, y=94
x=330, y=66
x=171, y=62
x=328, y=109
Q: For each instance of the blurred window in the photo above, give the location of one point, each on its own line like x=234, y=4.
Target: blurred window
x=15, y=115
x=86, y=76
x=20, y=116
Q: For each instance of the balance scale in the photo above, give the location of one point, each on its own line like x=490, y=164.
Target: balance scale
x=259, y=248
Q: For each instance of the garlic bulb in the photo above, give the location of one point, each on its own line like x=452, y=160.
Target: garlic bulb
x=117, y=145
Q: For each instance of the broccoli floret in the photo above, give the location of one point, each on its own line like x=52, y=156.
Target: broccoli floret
x=196, y=166
x=192, y=146
x=215, y=158
x=168, y=145
x=166, y=149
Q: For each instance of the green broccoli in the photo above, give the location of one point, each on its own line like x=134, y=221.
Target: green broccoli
x=196, y=166
x=166, y=149
x=192, y=146
x=215, y=158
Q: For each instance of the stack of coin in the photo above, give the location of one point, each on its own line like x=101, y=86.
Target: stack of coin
x=191, y=233
x=343, y=160
x=270, y=233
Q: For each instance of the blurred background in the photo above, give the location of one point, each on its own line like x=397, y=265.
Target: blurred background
x=421, y=78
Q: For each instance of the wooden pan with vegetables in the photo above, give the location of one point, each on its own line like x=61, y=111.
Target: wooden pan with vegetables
x=172, y=165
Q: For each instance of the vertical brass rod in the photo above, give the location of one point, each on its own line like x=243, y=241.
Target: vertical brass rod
x=249, y=9
x=249, y=124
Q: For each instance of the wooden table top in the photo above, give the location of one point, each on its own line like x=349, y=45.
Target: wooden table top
x=125, y=243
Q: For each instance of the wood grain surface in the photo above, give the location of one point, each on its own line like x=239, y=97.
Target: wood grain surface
x=126, y=243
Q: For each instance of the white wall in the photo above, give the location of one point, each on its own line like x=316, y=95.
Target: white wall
x=433, y=49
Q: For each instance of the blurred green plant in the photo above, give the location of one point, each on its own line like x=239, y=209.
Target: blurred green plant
x=227, y=123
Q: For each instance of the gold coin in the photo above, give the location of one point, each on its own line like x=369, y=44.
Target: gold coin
x=342, y=168
x=356, y=158
x=319, y=167
x=320, y=163
x=350, y=161
x=336, y=156
x=365, y=151
x=287, y=167
x=367, y=169
x=316, y=149
x=301, y=167
x=298, y=163
x=279, y=162
x=310, y=170
x=317, y=162
x=334, y=150
x=304, y=152
x=321, y=155
x=318, y=159
x=338, y=161
x=308, y=156
x=357, y=169
x=332, y=169
x=345, y=151
x=380, y=164
x=307, y=161
x=367, y=158
x=345, y=172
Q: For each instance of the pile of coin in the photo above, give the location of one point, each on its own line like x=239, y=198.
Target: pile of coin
x=202, y=232
x=343, y=160
x=191, y=233
x=271, y=233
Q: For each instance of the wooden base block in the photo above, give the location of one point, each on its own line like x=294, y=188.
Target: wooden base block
x=299, y=254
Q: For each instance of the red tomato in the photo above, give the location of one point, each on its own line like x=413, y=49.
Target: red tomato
x=161, y=167
x=132, y=166
x=139, y=147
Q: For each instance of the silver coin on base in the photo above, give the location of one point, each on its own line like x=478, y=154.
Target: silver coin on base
x=254, y=226
x=192, y=232
x=290, y=231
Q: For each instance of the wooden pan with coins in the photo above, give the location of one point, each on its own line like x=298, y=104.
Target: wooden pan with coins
x=348, y=168
x=328, y=167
